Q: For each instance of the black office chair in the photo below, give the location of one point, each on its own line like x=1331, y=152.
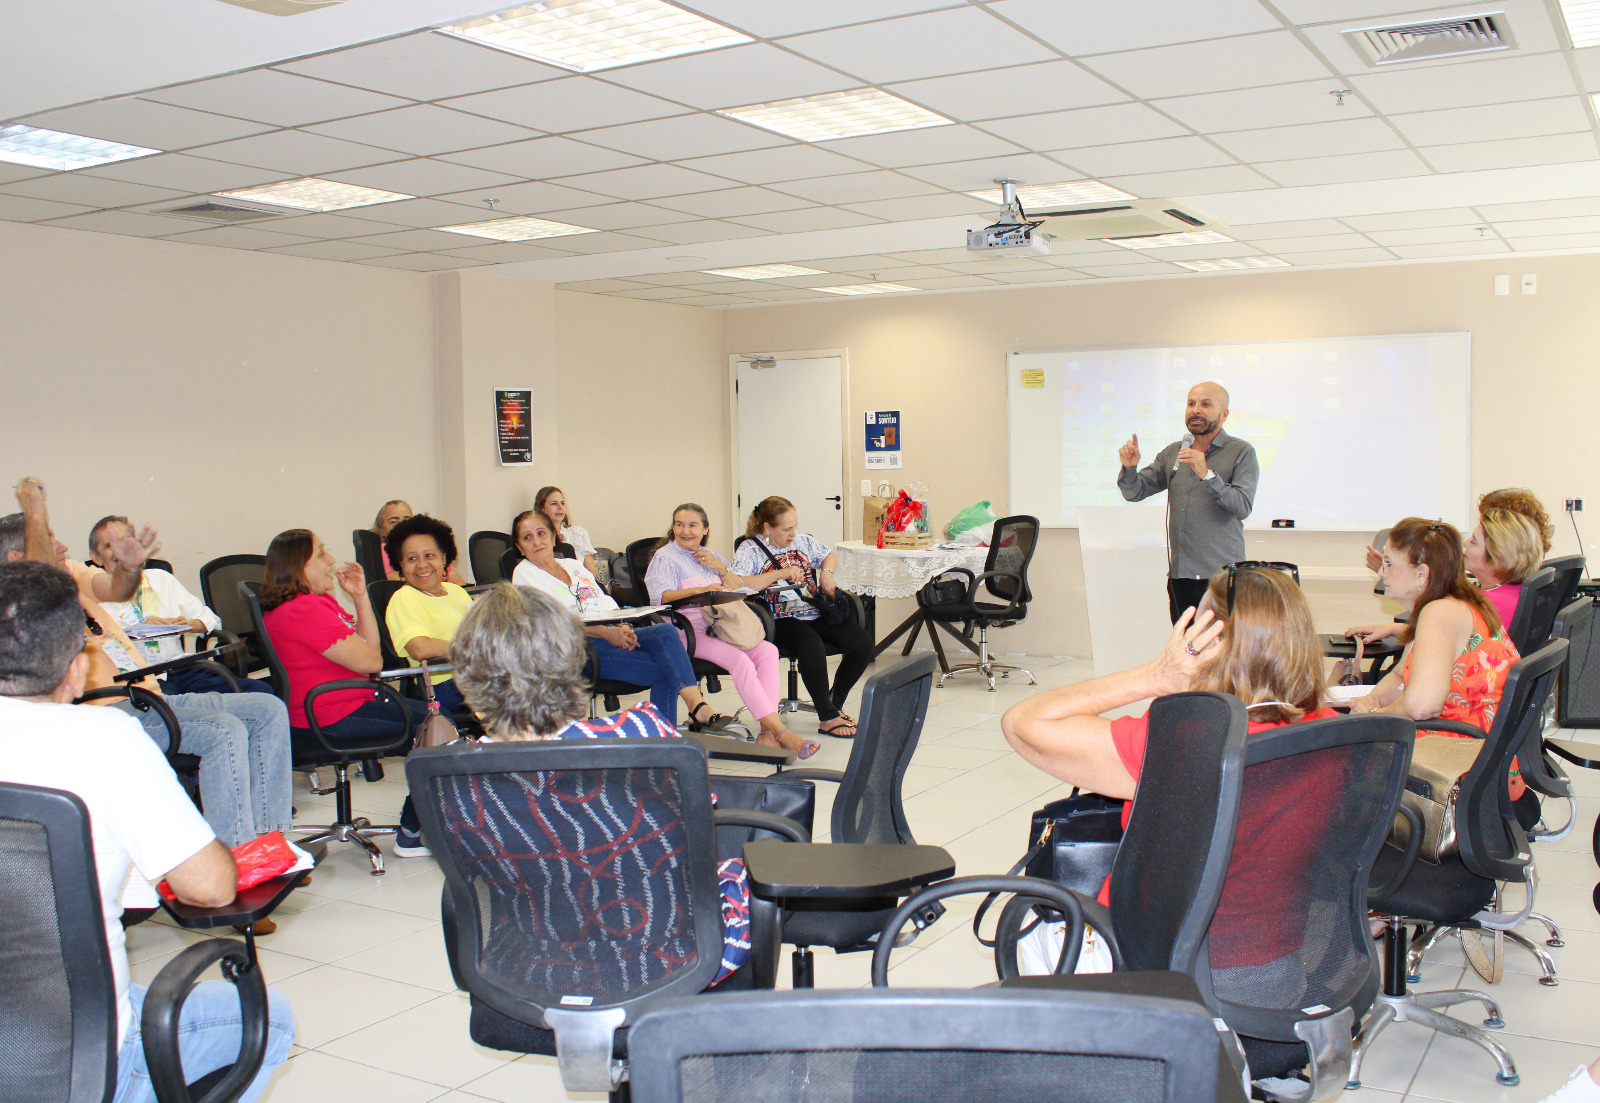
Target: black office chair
x=369, y=553
x=58, y=1013
x=311, y=748
x=1005, y=576
x=1536, y=610
x=911, y=1046
x=1569, y=573
x=512, y=556
x=606, y=903
x=1457, y=893
x=484, y=552
x=219, y=589
x=380, y=594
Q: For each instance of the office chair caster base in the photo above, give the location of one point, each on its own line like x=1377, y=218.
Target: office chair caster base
x=1420, y=1008
x=359, y=831
x=1549, y=926
x=988, y=670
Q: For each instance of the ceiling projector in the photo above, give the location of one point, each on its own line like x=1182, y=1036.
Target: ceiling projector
x=1014, y=235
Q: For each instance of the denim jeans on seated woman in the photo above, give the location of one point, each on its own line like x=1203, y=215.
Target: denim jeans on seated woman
x=660, y=662
x=377, y=719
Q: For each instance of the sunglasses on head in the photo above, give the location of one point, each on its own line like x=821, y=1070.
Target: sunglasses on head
x=1235, y=569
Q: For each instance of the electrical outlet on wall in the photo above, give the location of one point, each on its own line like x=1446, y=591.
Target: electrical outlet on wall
x=1574, y=505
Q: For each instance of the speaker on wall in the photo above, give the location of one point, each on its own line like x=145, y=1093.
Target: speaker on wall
x=1578, y=684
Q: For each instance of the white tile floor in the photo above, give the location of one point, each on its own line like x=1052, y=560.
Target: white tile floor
x=361, y=957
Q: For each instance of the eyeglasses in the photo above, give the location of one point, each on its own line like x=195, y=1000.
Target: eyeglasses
x=1235, y=569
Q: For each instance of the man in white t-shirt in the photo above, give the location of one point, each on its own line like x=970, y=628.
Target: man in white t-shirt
x=140, y=817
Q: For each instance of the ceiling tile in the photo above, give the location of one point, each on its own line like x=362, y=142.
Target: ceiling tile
x=297, y=153
x=1406, y=220
x=1427, y=235
x=989, y=266
x=571, y=103
x=1588, y=66
x=1318, y=242
x=729, y=78
x=1059, y=275
x=1466, y=84
x=926, y=206
x=1564, y=241
x=237, y=237
x=424, y=129
x=267, y=96
x=608, y=242
x=1115, y=271
x=1123, y=122
x=599, y=286
x=89, y=191
x=146, y=123
x=1491, y=121
x=1450, y=249
x=1553, y=149
x=1190, y=182
x=1253, y=108
x=1330, y=11
x=929, y=146
x=936, y=44
x=522, y=199
x=684, y=136
x=997, y=93
x=1080, y=28
x=954, y=255
x=336, y=250
x=1215, y=66
x=126, y=223
x=620, y=216
x=799, y=222
x=1269, y=232
x=766, y=166
x=649, y=293
x=20, y=208
x=856, y=187
x=1541, y=227
x=1339, y=170
x=1545, y=208
x=733, y=201
x=1285, y=143
x=645, y=182
x=425, y=66
x=423, y=213
x=952, y=283
x=181, y=172
x=1160, y=155
x=770, y=18
x=504, y=252
x=8, y=173
x=417, y=241
x=1340, y=256
x=540, y=158
x=694, y=233
x=979, y=174
x=424, y=177
x=423, y=262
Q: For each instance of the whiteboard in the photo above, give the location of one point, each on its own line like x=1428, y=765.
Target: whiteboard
x=1352, y=433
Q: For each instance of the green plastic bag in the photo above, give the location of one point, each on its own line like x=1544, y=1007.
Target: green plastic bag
x=969, y=518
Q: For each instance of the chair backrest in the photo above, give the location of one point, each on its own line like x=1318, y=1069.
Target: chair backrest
x=1493, y=844
x=868, y=807
x=899, y=1045
x=484, y=550
x=1569, y=572
x=369, y=553
x=159, y=565
x=219, y=587
x=1290, y=929
x=58, y=1019
x=381, y=593
x=1537, y=607
x=582, y=872
x=1011, y=550
x=249, y=598
x=638, y=554
x=1174, y=855
x=508, y=563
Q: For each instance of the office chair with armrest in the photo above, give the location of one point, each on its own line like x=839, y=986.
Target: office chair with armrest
x=58, y=1015
x=311, y=748
x=484, y=550
x=368, y=547
x=1004, y=576
x=606, y=903
x=381, y=593
x=1536, y=610
x=219, y=589
x=1569, y=573
x=512, y=556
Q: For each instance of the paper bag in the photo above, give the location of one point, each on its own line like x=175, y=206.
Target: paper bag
x=873, y=510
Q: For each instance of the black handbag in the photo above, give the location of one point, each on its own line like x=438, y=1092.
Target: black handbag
x=832, y=609
x=1073, y=842
x=947, y=589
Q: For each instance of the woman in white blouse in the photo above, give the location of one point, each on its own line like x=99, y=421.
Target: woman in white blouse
x=651, y=655
x=553, y=503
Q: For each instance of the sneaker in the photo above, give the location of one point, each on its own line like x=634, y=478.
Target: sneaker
x=1580, y=1088
x=407, y=845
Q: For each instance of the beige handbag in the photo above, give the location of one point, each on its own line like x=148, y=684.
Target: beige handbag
x=1438, y=763
x=1347, y=672
x=436, y=730
x=734, y=622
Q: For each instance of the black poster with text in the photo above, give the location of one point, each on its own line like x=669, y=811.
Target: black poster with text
x=513, y=416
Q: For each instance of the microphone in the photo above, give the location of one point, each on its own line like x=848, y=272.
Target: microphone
x=1188, y=442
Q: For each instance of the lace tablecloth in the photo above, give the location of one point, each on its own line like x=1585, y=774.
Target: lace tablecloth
x=897, y=572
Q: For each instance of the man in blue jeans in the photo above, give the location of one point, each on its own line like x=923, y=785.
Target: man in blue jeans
x=139, y=817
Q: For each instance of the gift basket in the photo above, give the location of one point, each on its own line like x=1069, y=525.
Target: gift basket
x=905, y=520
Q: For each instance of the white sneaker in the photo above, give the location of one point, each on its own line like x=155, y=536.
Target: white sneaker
x=407, y=845
x=1579, y=1088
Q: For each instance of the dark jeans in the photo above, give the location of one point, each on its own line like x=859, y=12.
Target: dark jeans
x=1185, y=593
x=807, y=641
x=448, y=696
x=659, y=662
x=377, y=718
x=208, y=681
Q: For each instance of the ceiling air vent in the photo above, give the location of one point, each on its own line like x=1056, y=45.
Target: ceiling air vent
x=1136, y=218
x=283, y=7
x=1402, y=42
x=212, y=210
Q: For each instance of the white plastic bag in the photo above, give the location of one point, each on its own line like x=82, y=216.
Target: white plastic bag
x=1040, y=949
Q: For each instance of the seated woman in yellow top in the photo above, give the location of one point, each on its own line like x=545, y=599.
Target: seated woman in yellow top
x=424, y=613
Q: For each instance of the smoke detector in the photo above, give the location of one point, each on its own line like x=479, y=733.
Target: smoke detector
x=1428, y=40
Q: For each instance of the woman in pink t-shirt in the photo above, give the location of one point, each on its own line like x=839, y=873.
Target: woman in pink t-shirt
x=1502, y=552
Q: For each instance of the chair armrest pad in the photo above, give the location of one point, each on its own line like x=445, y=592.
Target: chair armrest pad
x=164, y=1004
x=767, y=821
x=1454, y=726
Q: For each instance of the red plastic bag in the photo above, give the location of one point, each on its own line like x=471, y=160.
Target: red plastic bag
x=258, y=860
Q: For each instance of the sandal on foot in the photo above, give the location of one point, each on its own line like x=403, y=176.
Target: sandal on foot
x=843, y=727
x=717, y=723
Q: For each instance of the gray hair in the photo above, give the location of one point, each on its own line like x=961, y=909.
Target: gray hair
x=519, y=658
x=13, y=534
x=41, y=627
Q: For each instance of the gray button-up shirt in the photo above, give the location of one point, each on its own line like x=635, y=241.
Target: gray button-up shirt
x=1205, y=517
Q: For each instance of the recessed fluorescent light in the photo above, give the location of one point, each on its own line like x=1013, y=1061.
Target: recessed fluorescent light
x=588, y=35
x=1046, y=195
x=1231, y=264
x=1166, y=241
x=837, y=115
x=311, y=194
x=763, y=271
x=1583, y=22
x=865, y=288
x=51, y=149
x=520, y=228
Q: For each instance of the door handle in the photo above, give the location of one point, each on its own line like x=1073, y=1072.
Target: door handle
x=837, y=501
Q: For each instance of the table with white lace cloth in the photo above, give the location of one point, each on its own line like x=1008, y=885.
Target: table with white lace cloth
x=897, y=572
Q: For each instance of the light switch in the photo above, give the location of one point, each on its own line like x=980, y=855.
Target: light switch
x=1530, y=283
x=866, y=488
x=1502, y=285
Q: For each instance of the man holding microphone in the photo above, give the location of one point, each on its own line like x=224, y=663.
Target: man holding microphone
x=1211, y=481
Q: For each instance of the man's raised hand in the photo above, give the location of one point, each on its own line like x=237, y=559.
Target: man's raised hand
x=1129, y=453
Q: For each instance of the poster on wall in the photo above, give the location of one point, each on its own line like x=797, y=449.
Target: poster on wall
x=513, y=419
x=883, y=439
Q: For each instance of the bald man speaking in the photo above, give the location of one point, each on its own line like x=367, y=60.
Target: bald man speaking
x=1210, y=479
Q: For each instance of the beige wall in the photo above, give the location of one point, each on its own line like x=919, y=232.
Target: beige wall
x=941, y=358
